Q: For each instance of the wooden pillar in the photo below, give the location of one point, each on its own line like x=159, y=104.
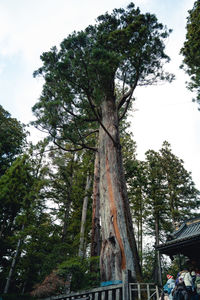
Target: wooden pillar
x=125, y=286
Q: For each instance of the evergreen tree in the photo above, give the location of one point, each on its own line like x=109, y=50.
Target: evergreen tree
x=162, y=194
x=79, y=97
x=156, y=205
x=12, y=139
x=67, y=190
x=137, y=183
x=191, y=50
x=21, y=202
x=135, y=174
x=180, y=192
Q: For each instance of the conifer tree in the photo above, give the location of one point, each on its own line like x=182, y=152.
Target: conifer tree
x=79, y=98
x=180, y=192
x=21, y=201
x=12, y=139
x=191, y=50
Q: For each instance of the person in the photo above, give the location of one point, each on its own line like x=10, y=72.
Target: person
x=180, y=291
x=194, y=295
x=177, y=278
x=169, y=286
x=187, y=278
x=197, y=285
x=164, y=296
x=193, y=275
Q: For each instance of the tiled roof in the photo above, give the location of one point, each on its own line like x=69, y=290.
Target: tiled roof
x=187, y=231
x=185, y=240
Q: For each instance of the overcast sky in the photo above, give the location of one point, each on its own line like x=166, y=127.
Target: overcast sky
x=165, y=112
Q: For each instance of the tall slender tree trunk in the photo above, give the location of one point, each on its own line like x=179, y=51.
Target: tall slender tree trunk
x=158, y=273
x=96, y=239
x=84, y=216
x=2, y=228
x=68, y=202
x=119, y=251
x=13, y=265
x=140, y=233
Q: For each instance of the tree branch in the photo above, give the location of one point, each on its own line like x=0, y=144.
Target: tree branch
x=99, y=121
x=68, y=150
x=124, y=98
x=82, y=146
x=128, y=94
x=126, y=108
x=91, y=132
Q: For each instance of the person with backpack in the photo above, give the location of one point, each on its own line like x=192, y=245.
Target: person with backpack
x=169, y=286
x=187, y=278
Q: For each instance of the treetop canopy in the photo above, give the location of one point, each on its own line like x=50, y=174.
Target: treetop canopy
x=124, y=48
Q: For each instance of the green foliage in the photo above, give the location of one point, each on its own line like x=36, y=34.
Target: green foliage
x=161, y=194
x=191, y=49
x=155, y=193
x=180, y=192
x=22, y=218
x=148, y=263
x=168, y=190
x=173, y=268
x=67, y=190
x=12, y=139
x=15, y=186
x=124, y=48
x=168, y=266
x=80, y=270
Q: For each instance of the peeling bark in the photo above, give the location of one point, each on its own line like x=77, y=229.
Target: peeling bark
x=119, y=251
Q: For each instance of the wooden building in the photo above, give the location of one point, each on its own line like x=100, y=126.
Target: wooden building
x=186, y=241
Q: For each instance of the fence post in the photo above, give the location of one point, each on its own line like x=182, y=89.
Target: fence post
x=157, y=292
x=125, y=285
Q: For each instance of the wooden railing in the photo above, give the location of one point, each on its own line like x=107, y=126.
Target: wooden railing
x=143, y=291
x=112, y=292
x=137, y=291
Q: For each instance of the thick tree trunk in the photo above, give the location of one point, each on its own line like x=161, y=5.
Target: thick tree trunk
x=96, y=239
x=83, y=218
x=119, y=251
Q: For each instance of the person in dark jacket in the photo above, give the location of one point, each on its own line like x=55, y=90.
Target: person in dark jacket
x=180, y=291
